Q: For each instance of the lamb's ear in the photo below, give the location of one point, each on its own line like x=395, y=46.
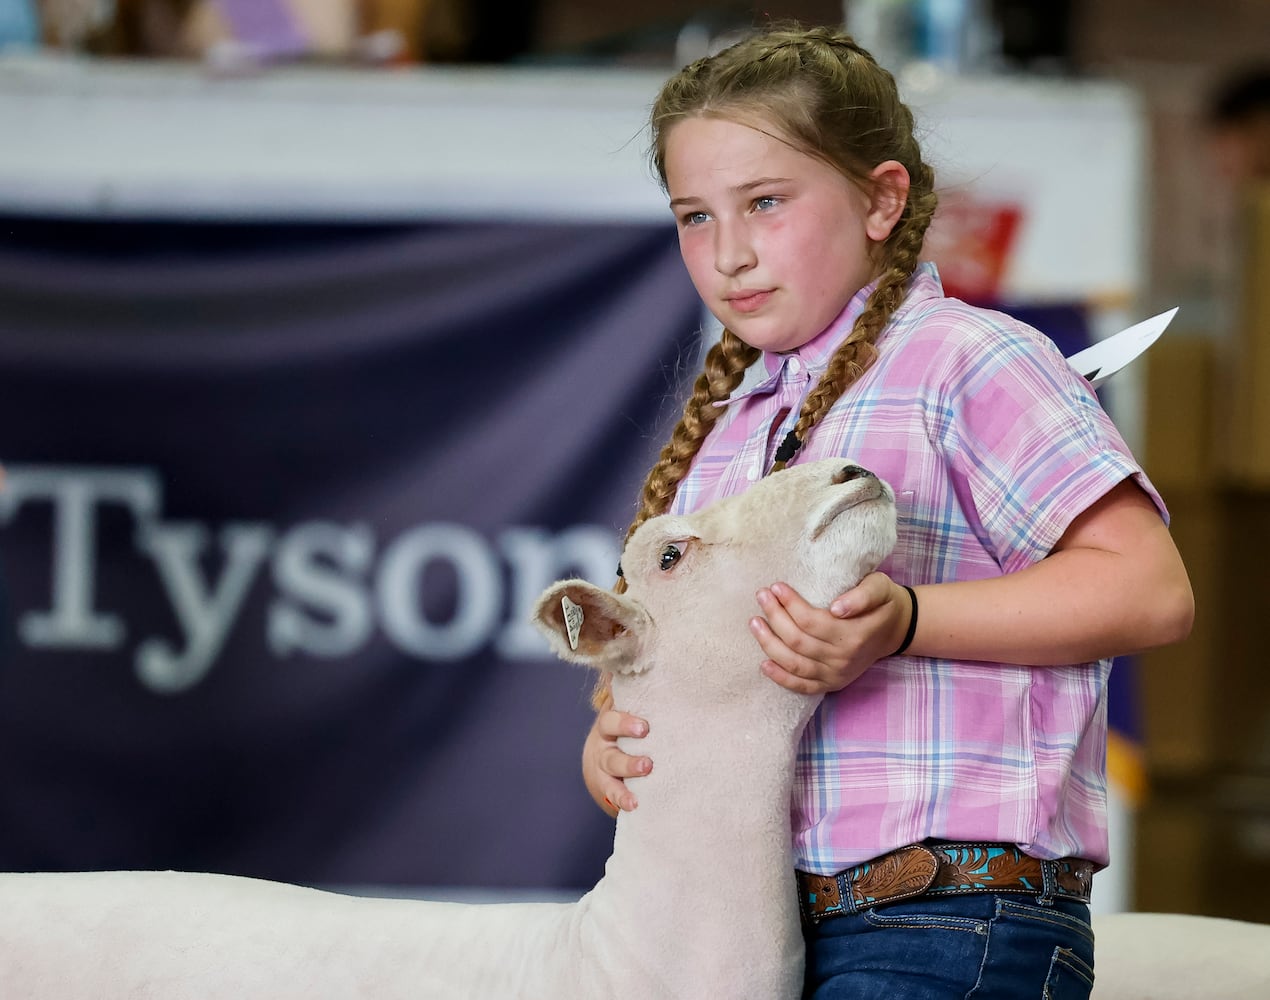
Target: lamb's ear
x=587, y=624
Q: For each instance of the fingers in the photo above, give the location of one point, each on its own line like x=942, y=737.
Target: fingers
x=615, y=765
x=612, y=724
x=782, y=599
x=813, y=683
x=871, y=592
x=809, y=650
x=793, y=626
x=788, y=668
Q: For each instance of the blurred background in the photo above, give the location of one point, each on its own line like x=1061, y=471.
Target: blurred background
x=332, y=331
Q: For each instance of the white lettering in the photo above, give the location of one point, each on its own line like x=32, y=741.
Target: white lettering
x=331, y=587
x=318, y=567
x=75, y=493
x=479, y=591
x=205, y=613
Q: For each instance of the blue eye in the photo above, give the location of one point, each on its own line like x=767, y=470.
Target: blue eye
x=669, y=556
x=695, y=218
x=766, y=202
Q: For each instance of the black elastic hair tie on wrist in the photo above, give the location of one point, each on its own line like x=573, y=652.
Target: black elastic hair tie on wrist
x=912, y=622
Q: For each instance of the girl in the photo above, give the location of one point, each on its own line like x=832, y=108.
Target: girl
x=950, y=796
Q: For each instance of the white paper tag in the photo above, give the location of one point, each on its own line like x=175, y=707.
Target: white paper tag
x=573, y=619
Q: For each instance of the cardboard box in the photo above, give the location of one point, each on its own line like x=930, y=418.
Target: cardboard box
x=1244, y=431
x=1200, y=850
x=1241, y=618
x=1181, y=687
x=1206, y=701
x=1178, y=415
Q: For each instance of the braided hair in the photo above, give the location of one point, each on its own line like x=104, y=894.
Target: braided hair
x=830, y=99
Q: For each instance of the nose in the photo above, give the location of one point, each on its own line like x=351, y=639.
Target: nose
x=849, y=472
x=733, y=251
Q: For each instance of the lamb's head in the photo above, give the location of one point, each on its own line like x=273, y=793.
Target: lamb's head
x=691, y=580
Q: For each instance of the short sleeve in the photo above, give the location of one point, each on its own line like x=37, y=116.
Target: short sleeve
x=1029, y=445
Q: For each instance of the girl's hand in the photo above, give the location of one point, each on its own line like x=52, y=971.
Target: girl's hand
x=813, y=650
x=605, y=766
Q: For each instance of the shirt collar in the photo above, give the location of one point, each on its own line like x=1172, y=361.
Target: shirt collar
x=817, y=352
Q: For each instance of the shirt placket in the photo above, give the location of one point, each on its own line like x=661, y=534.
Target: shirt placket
x=790, y=392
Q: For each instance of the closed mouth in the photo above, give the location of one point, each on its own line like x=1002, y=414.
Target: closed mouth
x=862, y=491
x=748, y=300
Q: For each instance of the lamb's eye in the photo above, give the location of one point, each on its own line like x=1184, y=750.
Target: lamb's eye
x=669, y=556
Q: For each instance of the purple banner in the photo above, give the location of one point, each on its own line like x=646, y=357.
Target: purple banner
x=278, y=500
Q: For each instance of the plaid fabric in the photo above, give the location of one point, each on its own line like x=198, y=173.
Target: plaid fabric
x=993, y=446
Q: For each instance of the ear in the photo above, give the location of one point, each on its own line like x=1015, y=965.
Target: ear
x=609, y=628
x=889, y=195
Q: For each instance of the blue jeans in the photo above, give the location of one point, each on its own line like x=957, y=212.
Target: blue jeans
x=980, y=946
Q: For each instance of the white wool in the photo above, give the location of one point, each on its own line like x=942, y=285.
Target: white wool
x=1174, y=956
x=697, y=900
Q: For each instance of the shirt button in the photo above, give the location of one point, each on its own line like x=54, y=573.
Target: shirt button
x=795, y=366
x=753, y=474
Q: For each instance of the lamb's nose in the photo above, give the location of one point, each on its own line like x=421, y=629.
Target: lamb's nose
x=850, y=472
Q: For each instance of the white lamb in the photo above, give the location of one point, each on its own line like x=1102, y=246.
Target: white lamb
x=697, y=900
x=1175, y=956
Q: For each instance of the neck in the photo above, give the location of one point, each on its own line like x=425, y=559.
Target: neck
x=722, y=872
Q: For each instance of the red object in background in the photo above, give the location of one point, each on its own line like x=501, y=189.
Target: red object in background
x=970, y=240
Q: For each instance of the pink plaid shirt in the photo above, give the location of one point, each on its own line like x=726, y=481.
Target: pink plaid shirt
x=993, y=446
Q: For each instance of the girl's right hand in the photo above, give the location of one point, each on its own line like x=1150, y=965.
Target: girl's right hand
x=605, y=767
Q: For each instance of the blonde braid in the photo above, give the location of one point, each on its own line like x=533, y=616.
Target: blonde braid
x=857, y=352
x=724, y=367
x=900, y=254
x=721, y=373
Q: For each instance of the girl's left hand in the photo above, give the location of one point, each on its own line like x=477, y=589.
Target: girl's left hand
x=812, y=650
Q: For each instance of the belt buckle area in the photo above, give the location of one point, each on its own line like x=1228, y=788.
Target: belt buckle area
x=902, y=874
x=1074, y=879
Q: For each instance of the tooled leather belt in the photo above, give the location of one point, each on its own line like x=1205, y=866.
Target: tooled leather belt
x=941, y=869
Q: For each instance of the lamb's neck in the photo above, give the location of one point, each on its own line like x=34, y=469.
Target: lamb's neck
x=695, y=754
x=710, y=838
x=707, y=745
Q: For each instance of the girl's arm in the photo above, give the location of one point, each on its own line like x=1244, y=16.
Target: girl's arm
x=1114, y=584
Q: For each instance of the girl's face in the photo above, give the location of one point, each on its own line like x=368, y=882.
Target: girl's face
x=776, y=241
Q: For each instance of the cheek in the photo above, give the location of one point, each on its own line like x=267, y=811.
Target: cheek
x=837, y=265
x=698, y=258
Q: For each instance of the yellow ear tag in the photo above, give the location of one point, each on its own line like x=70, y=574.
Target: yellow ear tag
x=572, y=620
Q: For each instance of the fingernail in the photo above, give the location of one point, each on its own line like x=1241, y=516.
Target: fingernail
x=837, y=610
x=640, y=729
x=645, y=765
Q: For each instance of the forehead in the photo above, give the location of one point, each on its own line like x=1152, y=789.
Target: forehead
x=703, y=151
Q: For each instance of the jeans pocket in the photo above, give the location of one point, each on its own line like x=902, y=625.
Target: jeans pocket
x=1044, y=950
x=924, y=921
x=1056, y=918
x=1070, y=976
